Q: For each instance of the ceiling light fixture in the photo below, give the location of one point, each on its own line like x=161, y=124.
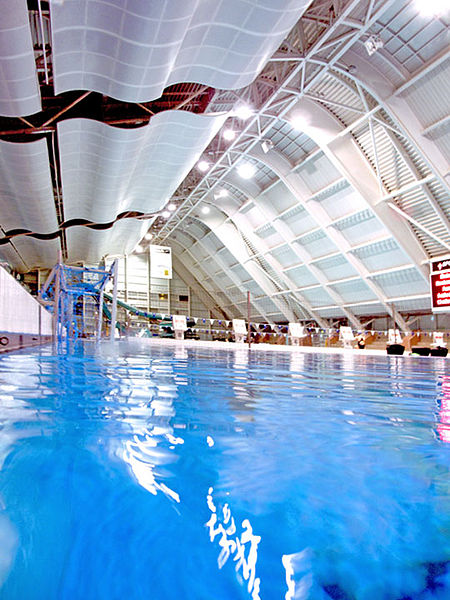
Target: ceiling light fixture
x=205, y=210
x=432, y=8
x=203, y=165
x=298, y=122
x=243, y=112
x=266, y=145
x=165, y=214
x=373, y=43
x=138, y=249
x=171, y=207
x=148, y=236
x=221, y=194
x=246, y=170
x=229, y=134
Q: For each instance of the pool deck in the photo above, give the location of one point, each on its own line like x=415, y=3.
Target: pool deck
x=261, y=347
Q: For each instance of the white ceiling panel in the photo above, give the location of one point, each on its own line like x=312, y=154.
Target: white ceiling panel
x=279, y=197
x=26, y=198
x=26, y=193
x=285, y=256
x=88, y=246
x=9, y=254
x=270, y=236
x=301, y=276
x=336, y=267
x=380, y=255
x=350, y=290
x=414, y=304
x=19, y=90
x=34, y=253
x=361, y=227
x=317, y=244
x=371, y=308
x=106, y=171
x=341, y=200
x=133, y=49
x=402, y=283
x=299, y=220
x=318, y=297
x=318, y=172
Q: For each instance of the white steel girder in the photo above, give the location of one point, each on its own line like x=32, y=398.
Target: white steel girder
x=200, y=267
x=194, y=284
x=344, y=154
x=231, y=275
x=339, y=47
x=431, y=200
x=383, y=90
x=335, y=146
x=295, y=184
x=229, y=235
x=243, y=225
x=224, y=267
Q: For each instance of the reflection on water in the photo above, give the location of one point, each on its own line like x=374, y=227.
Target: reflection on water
x=299, y=577
x=243, y=547
x=150, y=446
x=297, y=362
x=143, y=456
x=444, y=412
x=241, y=356
x=324, y=476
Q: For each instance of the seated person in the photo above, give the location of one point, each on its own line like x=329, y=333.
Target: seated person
x=361, y=341
x=256, y=338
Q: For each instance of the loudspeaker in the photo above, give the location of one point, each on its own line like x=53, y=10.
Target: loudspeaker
x=439, y=351
x=421, y=351
x=397, y=349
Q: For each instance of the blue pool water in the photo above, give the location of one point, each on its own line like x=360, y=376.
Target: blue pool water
x=136, y=471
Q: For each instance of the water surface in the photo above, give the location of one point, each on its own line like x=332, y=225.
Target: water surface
x=140, y=471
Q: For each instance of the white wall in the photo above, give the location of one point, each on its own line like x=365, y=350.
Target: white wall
x=136, y=287
x=19, y=311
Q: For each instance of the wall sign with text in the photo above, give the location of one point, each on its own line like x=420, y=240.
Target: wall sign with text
x=160, y=262
x=440, y=285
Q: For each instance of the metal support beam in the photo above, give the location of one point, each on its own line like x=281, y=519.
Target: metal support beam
x=115, y=274
x=318, y=72
x=242, y=224
x=201, y=267
x=193, y=284
x=229, y=235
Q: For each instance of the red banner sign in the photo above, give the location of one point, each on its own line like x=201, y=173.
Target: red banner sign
x=440, y=291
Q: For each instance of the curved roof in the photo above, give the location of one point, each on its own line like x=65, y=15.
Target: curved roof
x=348, y=139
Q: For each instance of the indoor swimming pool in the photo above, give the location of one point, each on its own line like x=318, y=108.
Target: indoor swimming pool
x=134, y=471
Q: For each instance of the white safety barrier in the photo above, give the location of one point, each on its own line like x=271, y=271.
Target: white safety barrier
x=19, y=311
x=179, y=325
x=394, y=336
x=346, y=336
x=240, y=330
x=297, y=332
x=438, y=339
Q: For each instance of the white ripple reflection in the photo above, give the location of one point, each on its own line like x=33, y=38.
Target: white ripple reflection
x=299, y=577
x=243, y=548
x=139, y=454
x=12, y=411
x=151, y=445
